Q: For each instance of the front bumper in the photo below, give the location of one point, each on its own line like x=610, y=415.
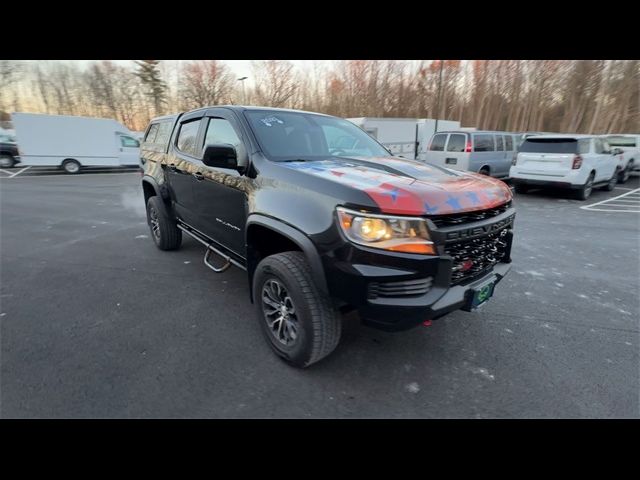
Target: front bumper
x=357, y=274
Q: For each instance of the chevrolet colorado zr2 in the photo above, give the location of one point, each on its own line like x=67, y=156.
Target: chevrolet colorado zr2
x=320, y=228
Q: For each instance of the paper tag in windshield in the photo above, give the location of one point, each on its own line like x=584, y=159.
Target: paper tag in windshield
x=269, y=121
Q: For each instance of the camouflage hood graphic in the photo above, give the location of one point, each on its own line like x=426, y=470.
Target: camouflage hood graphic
x=408, y=187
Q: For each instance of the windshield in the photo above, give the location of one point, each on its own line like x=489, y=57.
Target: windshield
x=621, y=141
x=297, y=135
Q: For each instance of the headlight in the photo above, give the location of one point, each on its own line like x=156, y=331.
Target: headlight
x=398, y=234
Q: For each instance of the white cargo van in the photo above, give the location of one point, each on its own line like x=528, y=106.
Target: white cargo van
x=74, y=142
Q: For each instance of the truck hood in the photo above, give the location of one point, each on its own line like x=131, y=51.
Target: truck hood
x=409, y=187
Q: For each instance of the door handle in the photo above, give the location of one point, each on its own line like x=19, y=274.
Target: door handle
x=198, y=176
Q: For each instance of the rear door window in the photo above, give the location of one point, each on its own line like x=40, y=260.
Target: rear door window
x=187, y=138
x=456, y=142
x=483, y=143
x=437, y=143
x=499, y=143
x=584, y=146
x=549, y=145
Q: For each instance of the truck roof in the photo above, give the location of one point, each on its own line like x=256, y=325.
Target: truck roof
x=238, y=108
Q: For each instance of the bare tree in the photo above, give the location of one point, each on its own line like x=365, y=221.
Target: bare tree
x=275, y=82
x=206, y=82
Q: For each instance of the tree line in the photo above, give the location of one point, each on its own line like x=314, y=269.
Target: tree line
x=574, y=96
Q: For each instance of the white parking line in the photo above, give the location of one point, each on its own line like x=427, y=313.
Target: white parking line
x=626, y=202
x=19, y=172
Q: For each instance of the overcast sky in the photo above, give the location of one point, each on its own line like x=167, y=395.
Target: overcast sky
x=241, y=68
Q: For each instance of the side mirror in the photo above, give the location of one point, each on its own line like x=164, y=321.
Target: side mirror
x=617, y=151
x=221, y=155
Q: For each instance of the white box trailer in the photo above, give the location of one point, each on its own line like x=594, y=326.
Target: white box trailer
x=403, y=135
x=397, y=134
x=74, y=142
x=426, y=129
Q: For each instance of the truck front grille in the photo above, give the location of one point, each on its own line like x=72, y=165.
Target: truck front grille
x=407, y=288
x=462, y=218
x=473, y=257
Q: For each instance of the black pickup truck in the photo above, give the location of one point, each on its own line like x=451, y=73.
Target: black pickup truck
x=321, y=228
x=9, y=154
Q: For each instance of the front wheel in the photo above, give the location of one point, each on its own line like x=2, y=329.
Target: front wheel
x=298, y=320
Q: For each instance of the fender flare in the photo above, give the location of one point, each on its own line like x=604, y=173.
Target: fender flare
x=152, y=181
x=160, y=192
x=296, y=236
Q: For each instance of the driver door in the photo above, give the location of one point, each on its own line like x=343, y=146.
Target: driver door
x=220, y=194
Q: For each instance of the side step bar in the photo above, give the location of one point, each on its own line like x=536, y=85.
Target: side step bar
x=210, y=249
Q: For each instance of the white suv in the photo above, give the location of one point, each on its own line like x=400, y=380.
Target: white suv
x=630, y=146
x=578, y=162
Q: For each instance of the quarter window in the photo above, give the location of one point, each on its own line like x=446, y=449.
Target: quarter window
x=187, y=138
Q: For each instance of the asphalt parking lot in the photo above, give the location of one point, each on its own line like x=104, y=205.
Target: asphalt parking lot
x=98, y=323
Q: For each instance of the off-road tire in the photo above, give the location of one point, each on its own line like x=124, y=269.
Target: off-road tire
x=318, y=323
x=167, y=235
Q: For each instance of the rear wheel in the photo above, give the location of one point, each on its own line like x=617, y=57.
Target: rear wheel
x=587, y=188
x=164, y=230
x=298, y=320
x=71, y=166
x=484, y=171
x=7, y=161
